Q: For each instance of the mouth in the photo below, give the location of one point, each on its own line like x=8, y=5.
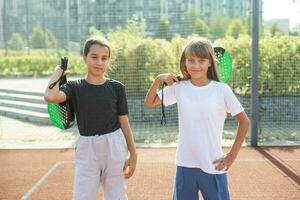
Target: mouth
x=195, y=71
x=98, y=69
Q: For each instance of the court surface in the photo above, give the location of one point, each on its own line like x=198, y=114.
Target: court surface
x=264, y=173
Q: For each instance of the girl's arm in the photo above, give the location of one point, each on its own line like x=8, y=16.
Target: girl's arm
x=130, y=164
x=152, y=99
x=242, y=129
x=55, y=95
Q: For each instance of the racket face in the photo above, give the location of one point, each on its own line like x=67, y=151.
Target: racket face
x=224, y=65
x=55, y=115
x=61, y=115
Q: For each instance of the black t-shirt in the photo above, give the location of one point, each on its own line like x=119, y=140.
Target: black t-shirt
x=97, y=107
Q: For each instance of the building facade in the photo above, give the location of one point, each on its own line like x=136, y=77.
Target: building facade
x=70, y=20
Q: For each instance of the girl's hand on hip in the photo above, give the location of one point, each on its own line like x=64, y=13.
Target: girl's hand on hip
x=130, y=165
x=168, y=79
x=224, y=163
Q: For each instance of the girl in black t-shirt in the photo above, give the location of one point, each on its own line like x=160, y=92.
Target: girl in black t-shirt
x=101, y=152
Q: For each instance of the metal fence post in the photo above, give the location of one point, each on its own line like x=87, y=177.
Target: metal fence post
x=254, y=72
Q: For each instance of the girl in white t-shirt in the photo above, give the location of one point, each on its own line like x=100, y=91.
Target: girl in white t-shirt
x=202, y=102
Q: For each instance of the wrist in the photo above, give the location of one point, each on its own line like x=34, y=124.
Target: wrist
x=58, y=68
x=233, y=154
x=133, y=154
x=158, y=79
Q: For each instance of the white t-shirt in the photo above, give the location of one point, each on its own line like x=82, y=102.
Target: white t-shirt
x=201, y=113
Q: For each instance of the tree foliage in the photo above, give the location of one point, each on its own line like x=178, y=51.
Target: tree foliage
x=16, y=42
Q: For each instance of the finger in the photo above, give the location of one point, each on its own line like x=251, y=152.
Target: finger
x=220, y=167
x=126, y=165
x=67, y=73
x=131, y=171
x=218, y=161
x=128, y=174
x=179, y=78
x=174, y=78
x=170, y=82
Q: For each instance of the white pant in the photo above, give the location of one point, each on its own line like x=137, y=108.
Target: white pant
x=100, y=160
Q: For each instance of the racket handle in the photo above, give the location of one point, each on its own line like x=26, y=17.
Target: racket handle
x=64, y=63
x=219, y=51
x=178, y=78
x=64, y=66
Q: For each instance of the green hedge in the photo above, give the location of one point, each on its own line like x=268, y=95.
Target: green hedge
x=279, y=64
x=137, y=60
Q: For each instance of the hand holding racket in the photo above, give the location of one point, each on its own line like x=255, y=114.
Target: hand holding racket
x=61, y=114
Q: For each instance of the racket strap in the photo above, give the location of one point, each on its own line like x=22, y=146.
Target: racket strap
x=163, y=120
x=52, y=85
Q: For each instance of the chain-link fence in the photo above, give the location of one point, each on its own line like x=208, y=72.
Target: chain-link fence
x=147, y=37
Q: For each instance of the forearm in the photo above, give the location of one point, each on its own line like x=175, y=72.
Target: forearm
x=152, y=93
x=55, y=90
x=242, y=130
x=129, y=138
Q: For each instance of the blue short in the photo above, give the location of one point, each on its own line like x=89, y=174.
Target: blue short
x=189, y=181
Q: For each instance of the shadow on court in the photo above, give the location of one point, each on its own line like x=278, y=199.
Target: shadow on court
x=266, y=173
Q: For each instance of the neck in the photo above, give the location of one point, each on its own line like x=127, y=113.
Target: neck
x=95, y=80
x=200, y=82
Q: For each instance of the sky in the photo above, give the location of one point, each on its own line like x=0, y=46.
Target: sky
x=282, y=9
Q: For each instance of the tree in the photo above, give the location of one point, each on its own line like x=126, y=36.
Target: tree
x=94, y=31
x=189, y=22
x=163, y=29
x=275, y=30
x=218, y=25
x=42, y=39
x=200, y=28
x=16, y=42
x=37, y=38
x=50, y=39
x=236, y=28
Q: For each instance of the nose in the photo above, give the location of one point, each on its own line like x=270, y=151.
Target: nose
x=197, y=65
x=99, y=62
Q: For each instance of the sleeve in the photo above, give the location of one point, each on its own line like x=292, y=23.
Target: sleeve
x=68, y=89
x=122, y=107
x=169, y=95
x=233, y=106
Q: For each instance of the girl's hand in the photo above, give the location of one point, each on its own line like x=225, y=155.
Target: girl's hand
x=225, y=162
x=130, y=165
x=58, y=68
x=168, y=79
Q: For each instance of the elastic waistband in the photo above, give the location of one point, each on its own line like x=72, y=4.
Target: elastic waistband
x=101, y=134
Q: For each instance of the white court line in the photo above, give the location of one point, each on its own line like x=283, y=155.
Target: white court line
x=236, y=161
x=39, y=182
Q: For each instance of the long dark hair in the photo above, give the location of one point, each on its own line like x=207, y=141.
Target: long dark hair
x=200, y=47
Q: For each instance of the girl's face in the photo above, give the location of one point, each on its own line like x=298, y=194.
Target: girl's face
x=97, y=60
x=197, y=67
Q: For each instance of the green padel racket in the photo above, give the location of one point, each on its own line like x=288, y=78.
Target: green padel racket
x=224, y=65
x=61, y=114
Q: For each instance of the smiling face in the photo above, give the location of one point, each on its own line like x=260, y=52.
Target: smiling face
x=197, y=67
x=198, y=60
x=97, y=60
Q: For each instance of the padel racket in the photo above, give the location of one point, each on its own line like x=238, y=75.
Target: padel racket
x=61, y=114
x=224, y=65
